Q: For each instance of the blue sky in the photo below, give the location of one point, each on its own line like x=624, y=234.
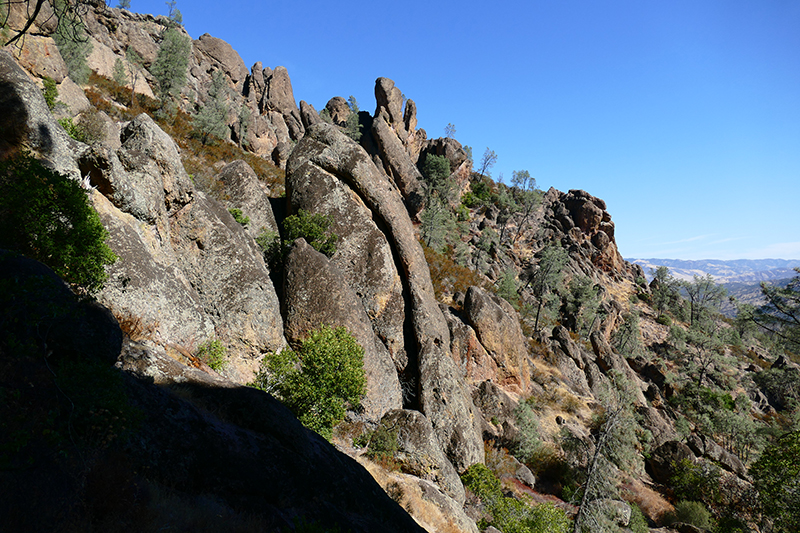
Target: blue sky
x=684, y=116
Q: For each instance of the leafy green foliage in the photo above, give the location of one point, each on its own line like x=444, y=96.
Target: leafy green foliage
x=314, y=228
x=73, y=42
x=270, y=244
x=50, y=92
x=352, y=127
x=580, y=305
x=118, y=74
x=776, y=476
x=212, y=352
x=437, y=218
x=508, y=287
x=696, y=482
x=383, y=444
x=545, y=279
x=46, y=216
x=211, y=120
x=510, y=515
x=694, y=513
x=781, y=314
x=238, y=216
x=638, y=522
x=319, y=380
x=83, y=131
x=527, y=197
x=171, y=63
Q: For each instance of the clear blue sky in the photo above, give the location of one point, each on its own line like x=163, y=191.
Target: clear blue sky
x=683, y=115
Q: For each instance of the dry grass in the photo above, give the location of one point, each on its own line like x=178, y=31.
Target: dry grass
x=652, y=503
x=135, y=327
x=405, y=491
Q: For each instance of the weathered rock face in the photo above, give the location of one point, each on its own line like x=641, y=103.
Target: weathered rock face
x=243, y=190
x=363, y=255
x=328, y=155
x=587, y=226
x=420, y=454
x=216, y=54
x=467, y=351
x=497, y=325
x=338, y=109
x=316, y=293
x=27, y=123
x=398, y=165
x=187, y=266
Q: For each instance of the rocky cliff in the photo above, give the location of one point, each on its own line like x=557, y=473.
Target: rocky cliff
x=448, y=363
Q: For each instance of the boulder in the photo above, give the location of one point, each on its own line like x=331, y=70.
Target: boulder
x=449, y=506
x=243, y=190
x=419, y=453
x=39, y=55
x=497, y=325
x=222, y=56
x=73, y=98
x=338, y=109
x=316, y=293
x=389, y=105
x=27, y=123
x=308, y=114
x=467, y=351
x=659, y=464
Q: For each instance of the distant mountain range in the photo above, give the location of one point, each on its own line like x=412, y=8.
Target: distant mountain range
x=741, y=277
x=725, y=272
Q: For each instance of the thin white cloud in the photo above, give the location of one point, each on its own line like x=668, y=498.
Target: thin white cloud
x=778, y=250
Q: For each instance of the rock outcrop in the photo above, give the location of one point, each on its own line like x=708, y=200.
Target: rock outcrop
x=315, y=293
x=327, y=155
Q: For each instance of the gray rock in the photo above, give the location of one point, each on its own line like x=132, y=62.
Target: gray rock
x=497, y=325
x=389, y=105
x=245, y=191
x=443, y=392
x=659, y=464
x=363, y=252
x=316, y=293
x=222, y=56
x=450, y=507
x=338, y=109
x=398, y=165
x=308, y=114
x=420, y=454
x=40, y=56
x=467, y=351
x=26, y=121
x=278, y=95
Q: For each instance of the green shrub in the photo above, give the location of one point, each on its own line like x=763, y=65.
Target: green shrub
x=50, y=92
x=383, y=444
x=238, y=216
x=212, y=352
x=510, y=515
x=314, y=228
x=172, y=62
x=270, y=244
x=664, y=320
x=73, y=43
x=319, y=380
x=694, y=513
x=47, y=216
x=638, y=523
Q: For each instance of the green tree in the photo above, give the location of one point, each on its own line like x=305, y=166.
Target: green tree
x=171, y=63
x=614, y=450
x=319, y=380
x=124, y=4
x=776, y=477
x=487, y=162
x=119, y=75
x=314, y=228
x=211, y=120
x=704, y=296
x=528, y=197
x=73, y=42
x=352, y=127
x=450, y=130
x=135, y=64
x=781, y=314
x=579, y=309
x=627, y=338
x=665, y=289
x=437, y=219
x=174, y=14
x=546, y=277
x=47, y=216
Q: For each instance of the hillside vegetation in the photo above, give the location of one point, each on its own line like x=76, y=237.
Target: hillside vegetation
x=453, y=353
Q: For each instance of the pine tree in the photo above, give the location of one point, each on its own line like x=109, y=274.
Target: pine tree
x=211, y=121
x=171, y=63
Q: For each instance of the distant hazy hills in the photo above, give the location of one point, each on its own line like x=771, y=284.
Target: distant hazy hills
x=741, y=277
x=734, y=271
